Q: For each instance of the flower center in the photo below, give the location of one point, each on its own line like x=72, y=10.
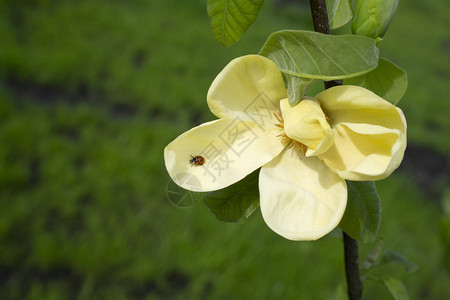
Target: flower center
x=285, y=140
x=307, y=124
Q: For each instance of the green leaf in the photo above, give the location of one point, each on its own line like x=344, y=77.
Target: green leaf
x=230, y=19
x=371, y=18
x=339, y=12
x=312, y=55
x=396, y=287
x=361, y=219
x=395, y=257
x=320, y=56
x=180, y=197
x=387, y=81
x=236, y=202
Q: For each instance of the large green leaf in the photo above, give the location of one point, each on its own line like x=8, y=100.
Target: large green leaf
x=320, y=56
x=372, y=17
x=339, y=12
x=396, y=287
x=230, y=19
x=361, y=219
x=387, y=81
x=236, y=202
x=311, y=55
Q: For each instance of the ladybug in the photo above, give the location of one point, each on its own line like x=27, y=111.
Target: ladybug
x=197, y=160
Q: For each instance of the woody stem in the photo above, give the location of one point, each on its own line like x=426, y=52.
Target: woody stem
x=354, y=283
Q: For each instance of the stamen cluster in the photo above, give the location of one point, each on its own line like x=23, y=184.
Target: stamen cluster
x=287, y=140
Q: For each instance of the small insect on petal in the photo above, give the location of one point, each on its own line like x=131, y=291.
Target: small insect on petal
x=197, y=160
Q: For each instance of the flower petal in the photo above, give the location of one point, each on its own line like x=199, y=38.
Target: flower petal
x=369, y=133
x=249, y=87
x=300, y=197
x=306, y=123
x=232, y=149
x=354, y=104
x=363, y=152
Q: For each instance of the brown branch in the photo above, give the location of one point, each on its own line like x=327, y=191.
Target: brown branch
x=320, y=16
x=354, y=283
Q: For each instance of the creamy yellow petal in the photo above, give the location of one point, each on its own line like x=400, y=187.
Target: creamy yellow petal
x=301, y=198
x=363, y=152
x=369, y=133
x=306, y=123
x=232, y=149
x=249, y=87
x=354, y=104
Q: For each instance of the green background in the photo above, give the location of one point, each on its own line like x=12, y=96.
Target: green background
x=90, y=94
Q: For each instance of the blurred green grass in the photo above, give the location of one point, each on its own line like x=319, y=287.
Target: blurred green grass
x=90, y=94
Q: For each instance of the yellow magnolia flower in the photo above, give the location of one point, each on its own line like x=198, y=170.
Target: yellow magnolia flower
x=305, y=152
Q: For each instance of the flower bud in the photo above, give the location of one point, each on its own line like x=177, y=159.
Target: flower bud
x=371, y=18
